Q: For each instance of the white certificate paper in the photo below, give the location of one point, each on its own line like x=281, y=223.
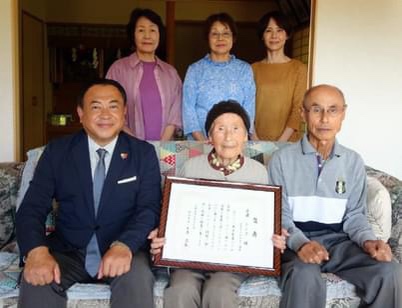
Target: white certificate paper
x=220, y=225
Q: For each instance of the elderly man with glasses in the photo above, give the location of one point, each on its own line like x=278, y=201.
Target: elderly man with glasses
x=324, y=202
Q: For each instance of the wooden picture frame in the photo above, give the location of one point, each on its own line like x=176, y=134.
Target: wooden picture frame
x=220, y=226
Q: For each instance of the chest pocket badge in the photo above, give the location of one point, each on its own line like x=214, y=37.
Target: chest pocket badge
x=340, y=186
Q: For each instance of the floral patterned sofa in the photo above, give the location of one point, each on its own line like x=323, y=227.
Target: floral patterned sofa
x=256, y=291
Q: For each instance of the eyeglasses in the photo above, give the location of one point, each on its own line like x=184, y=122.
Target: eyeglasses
x=217, y=35
x=332, y=111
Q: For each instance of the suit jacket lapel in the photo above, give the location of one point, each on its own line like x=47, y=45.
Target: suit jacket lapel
x=82, y=161
x=120, y=158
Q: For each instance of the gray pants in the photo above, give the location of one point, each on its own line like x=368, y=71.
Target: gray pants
x=194, y=289
x=133, y=289
x=379, y=284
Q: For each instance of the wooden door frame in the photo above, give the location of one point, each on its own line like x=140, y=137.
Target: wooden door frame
x=311, y=55
x=20, y=122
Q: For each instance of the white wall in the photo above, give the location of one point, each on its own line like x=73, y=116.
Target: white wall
x=358, y=47
x=8, y=79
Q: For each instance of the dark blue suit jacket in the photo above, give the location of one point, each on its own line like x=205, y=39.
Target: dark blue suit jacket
x=127, y=211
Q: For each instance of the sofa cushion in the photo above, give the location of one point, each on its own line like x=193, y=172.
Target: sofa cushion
x=379, y=208
x=9, y=183
x=256, y=291
x=27, y=175
x=29, y=169
x=172, y=155
x=394, y=187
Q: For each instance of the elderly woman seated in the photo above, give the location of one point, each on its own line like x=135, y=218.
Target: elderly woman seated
x=227, y=125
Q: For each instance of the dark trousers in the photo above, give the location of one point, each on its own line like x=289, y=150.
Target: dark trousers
x=133, y=289
x=377, y=283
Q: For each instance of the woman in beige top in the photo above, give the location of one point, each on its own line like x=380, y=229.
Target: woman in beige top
x=280, y=82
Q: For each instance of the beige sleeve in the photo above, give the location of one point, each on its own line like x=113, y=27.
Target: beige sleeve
x=298, y=93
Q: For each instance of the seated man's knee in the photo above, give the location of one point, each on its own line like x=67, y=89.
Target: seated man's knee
x=139, y=277
x=136, y=280
x=303, y=274
x=220, y=287
x=180, y=293
x=391, y=271
x=141, y=266
x=303, y=270
x=184, y=286
x=223, y=280
x=40, y=296
x=398, y=271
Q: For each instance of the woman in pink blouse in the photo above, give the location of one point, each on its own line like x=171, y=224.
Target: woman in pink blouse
x=153, y=86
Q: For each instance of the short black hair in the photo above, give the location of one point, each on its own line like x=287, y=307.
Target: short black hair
x=223, y=18
x=100, y=82
x=150, y=15
x=280, y=19
x=229, y=106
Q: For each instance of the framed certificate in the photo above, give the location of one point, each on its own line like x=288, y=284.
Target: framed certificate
x=220, y=226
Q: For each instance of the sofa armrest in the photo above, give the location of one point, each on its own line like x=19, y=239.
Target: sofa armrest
x=10, y=176
x=394, y=186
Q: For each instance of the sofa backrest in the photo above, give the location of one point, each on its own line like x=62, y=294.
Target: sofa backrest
x=171, y=157
x=173, y=154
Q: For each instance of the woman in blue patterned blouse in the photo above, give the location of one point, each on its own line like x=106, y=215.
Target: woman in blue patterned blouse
x=216, y=77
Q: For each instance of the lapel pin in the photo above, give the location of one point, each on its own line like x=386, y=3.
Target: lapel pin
x=123, y=155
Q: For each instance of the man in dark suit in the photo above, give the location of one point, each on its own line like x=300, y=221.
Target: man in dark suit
x=107, y=185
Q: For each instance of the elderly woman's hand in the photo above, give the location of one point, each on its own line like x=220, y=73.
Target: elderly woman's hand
x=280, y=240
x=156, y=242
